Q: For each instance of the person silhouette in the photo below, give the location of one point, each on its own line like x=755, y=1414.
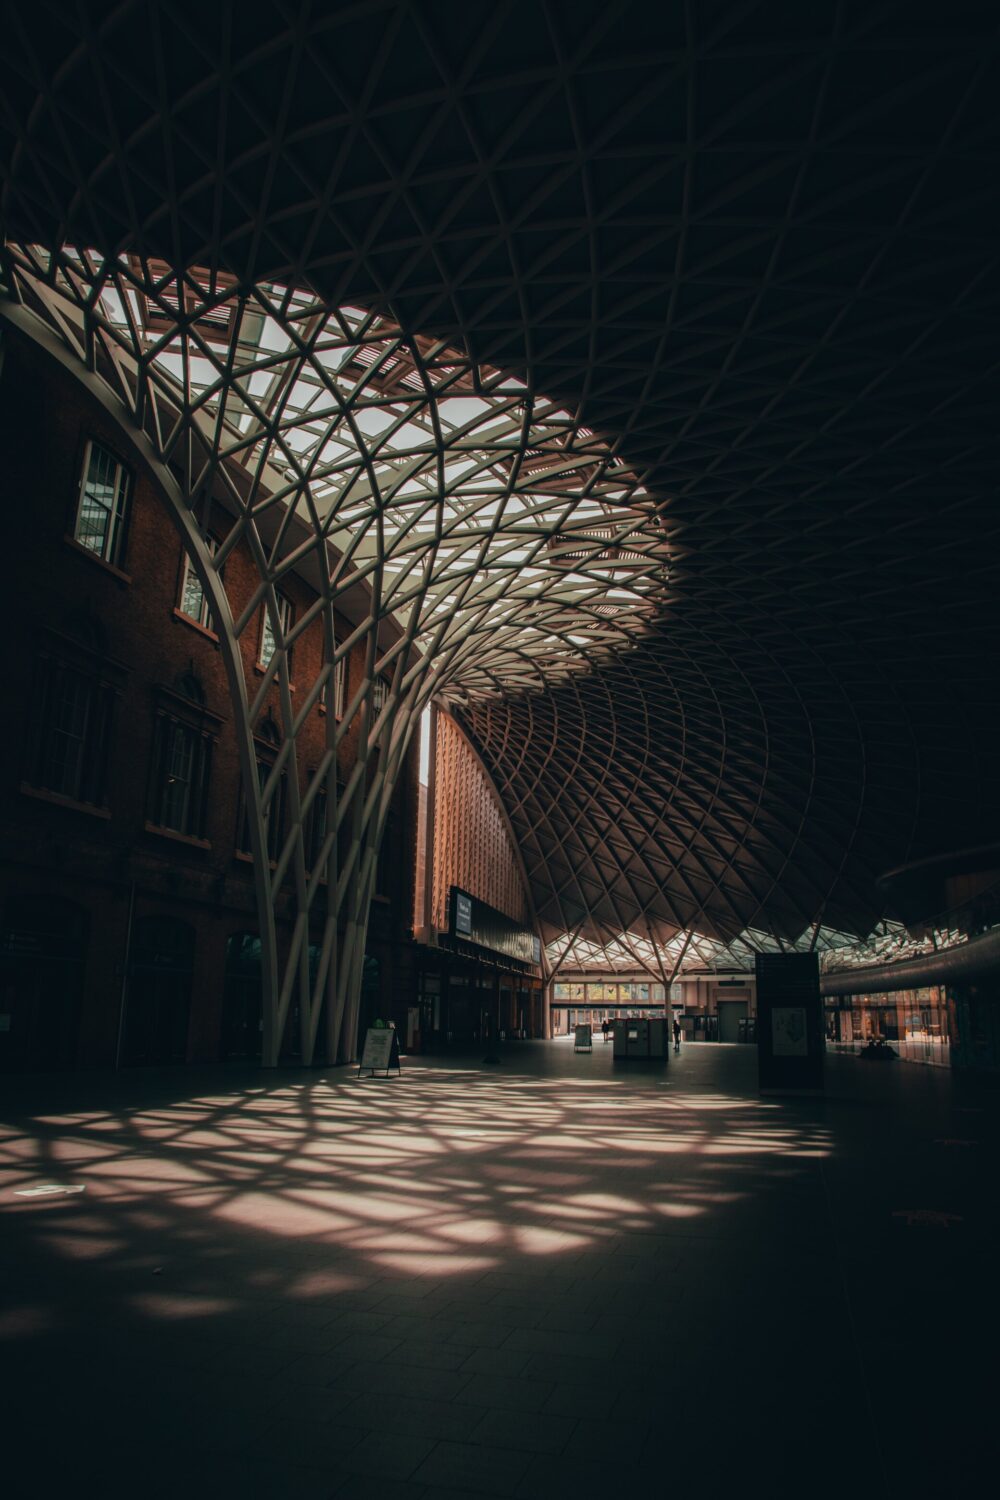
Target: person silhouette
x=677, y=1035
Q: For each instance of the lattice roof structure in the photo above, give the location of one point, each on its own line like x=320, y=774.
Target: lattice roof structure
x=507, y=536
x=750, y=254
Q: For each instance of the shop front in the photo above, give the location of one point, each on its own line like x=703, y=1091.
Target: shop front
x=918, y=1024
x=583, y=1002
x=464, y=998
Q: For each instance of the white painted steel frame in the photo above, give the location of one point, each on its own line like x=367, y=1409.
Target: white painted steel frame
x=497, y=546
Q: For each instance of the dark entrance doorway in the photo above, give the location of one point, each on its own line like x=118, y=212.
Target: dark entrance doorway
x=732, y=1014
x=41, y=982
x=242, y=1004
x=158, y=1000
x=291, y=1037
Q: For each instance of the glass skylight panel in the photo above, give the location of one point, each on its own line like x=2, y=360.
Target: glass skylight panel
x=384, y=429
x=273, y=336
x=260, y=383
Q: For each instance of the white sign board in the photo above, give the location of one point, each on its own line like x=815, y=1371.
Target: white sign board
x=378, y=1051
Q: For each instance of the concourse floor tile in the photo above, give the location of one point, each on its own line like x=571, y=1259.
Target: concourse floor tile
x=558, y=1278
x=478, y=1467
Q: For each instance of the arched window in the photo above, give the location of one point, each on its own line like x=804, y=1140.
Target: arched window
x=184, y=736
x=87, y=629
x=76, y=687
x=268, y=739
x=189, y=685
x=268, y=731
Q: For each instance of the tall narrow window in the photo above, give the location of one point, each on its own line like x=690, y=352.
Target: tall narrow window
x=182, y=757
x=70, y=736
x=380, y=692
x=102, y=509
x=178, y=785
x=70, y=712
x=268, y=740
x=275, y=813
x=274, y=818
x=267, y=640
x=193, y=602
x=319, y=827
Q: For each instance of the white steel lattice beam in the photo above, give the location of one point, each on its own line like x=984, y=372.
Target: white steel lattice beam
x=498, y=543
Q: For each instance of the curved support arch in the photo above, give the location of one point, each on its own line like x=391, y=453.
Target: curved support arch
x=178, y=506
x=481, y=538
x=336, y=989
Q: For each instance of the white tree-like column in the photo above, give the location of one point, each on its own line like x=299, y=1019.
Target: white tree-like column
x=495, y=542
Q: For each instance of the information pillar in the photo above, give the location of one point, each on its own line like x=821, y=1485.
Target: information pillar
x=790, y=1041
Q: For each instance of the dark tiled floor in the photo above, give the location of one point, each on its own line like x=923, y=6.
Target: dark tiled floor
x=560, y=1277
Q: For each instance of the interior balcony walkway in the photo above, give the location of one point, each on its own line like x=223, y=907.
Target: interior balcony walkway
x=557, y=1277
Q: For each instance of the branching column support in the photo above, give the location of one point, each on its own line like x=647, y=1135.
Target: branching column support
x=179, y=506
x=472, y=536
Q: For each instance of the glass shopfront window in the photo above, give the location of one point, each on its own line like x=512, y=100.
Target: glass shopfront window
x=913, y=1022
x=596, y=1001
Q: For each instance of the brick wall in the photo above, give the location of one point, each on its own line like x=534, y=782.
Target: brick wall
x=62, y=853
x=472, y=847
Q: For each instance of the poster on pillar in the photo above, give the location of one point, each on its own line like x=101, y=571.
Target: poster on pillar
x=790, y=1043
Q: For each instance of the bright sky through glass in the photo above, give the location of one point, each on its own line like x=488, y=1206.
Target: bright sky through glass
x=525, y=545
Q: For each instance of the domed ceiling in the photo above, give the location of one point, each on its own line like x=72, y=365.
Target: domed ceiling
x=753, y=248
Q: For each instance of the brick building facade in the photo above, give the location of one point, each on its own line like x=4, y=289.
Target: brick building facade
x=126, y=893
x=464, y=993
